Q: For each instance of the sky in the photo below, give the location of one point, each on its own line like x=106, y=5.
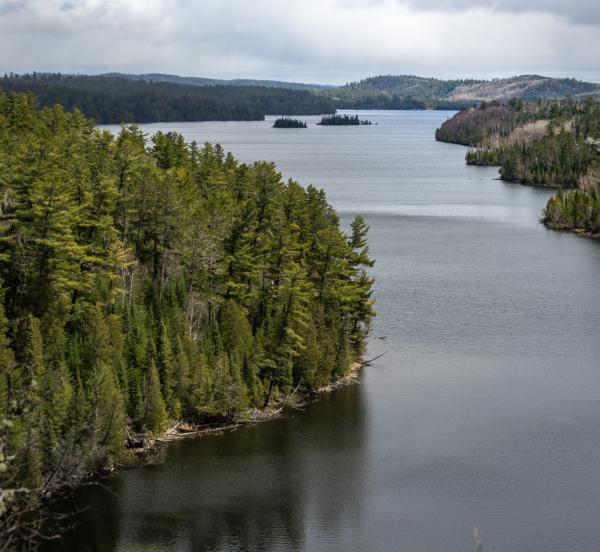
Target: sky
x=321, y=41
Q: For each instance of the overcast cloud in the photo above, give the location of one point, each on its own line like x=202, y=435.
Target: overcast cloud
x=586, y=12
x=305, y=40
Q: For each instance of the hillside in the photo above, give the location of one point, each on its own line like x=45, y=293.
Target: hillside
x=553, y=143
x=457, y=93
x=526, y=87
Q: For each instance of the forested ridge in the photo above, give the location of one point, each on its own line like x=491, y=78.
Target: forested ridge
x=117, y=99
x=144, y=284
x=545, y=143
x=413, y=92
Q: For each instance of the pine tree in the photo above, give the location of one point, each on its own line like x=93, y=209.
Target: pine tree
x=362, y=309
x=155, y=413
x=110, y=418
x=166, y=367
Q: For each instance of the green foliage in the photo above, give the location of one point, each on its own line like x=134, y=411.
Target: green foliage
x=155, y=414
x=575, y=210
x=143, y=284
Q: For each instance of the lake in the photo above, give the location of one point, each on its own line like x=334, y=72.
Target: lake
x=484, y=412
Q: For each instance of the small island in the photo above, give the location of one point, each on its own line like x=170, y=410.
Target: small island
x=342, y=120
x=286, y=122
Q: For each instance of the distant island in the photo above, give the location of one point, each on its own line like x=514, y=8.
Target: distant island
x=342, y=120
x=286, y=122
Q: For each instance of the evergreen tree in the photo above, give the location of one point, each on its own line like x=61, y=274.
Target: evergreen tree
x=155, y=413
x=166, y=368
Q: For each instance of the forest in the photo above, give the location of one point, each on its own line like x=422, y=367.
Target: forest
x=575, y=210
x=544, y=143
x=287, y=122
x=113, y=98
x=471, y=127
x=147, y=282
x=155, y=97
x=117, y=99
x=478, y=125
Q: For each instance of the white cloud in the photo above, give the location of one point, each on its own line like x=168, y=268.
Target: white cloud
x=317, y=40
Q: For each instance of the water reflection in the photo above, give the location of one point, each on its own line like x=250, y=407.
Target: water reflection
x=255, y=489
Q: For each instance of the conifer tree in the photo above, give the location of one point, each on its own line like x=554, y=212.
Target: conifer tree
x=362, y=311
x=155, y=413
x=110, y=417
x=166, y=367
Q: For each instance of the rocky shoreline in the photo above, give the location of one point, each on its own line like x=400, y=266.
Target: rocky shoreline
x=144, y=450
x=572, y=230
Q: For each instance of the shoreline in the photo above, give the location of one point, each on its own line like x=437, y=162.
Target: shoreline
x=144, y=454
x=572, y=230
x=556, y=227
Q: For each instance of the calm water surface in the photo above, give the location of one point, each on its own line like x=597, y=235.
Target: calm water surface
x=485, y=411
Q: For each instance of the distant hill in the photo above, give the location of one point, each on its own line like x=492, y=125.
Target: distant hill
x=151, y=97
x=201, y=81
x=526, y=87
x=406, y=87
x=434, y=92
x=422, y=88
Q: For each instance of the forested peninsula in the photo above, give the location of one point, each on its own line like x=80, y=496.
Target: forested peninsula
x=542, y=143
x=144, y=284
x=117, y=99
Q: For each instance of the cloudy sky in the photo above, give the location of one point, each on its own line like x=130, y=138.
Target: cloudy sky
x=329, y=41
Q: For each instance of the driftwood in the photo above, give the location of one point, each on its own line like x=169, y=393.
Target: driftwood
x=364, y=363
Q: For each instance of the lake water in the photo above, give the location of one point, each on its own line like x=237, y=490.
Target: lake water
x=485, y=411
